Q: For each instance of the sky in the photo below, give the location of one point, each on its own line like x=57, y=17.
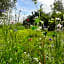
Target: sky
x=27, y=6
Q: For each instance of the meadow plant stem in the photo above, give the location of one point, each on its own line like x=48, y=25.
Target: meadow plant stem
x=43, y=61
x=56, y=42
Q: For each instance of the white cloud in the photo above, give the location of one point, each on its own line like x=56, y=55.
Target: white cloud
x=46, y=4
x=63, y=2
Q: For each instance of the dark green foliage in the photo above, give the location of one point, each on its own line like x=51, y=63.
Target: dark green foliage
x=58, y=6
x=51, y=26
x=31, y=19
x=35, y=1
x=5, y=4
x=43, y=17
x=59, y=15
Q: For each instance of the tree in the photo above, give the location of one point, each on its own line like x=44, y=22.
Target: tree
x=5, y=4
x=58, y=6
x=58, y=9
x=35, y=1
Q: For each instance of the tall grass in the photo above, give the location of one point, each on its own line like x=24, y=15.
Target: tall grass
x=29, y=46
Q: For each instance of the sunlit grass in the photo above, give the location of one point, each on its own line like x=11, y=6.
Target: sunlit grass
x=22, y=46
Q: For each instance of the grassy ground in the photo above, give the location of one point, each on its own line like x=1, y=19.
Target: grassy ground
x=28, y=46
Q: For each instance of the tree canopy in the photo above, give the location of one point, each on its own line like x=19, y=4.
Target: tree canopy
x=5, y=4
x=58, y=6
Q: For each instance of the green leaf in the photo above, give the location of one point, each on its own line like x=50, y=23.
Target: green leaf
x=37, y=20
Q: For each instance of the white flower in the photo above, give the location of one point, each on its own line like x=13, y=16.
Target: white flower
x=10, y=59
x=58, y=12
x=31, y=25
x=1, y=60
x=52, y=58
x=7, y=63
x=24, y=52
x=39, y=46
x=42, y=22
x=59, y=26
x=28, y=54
x=36, y=17
x=40, y=27
x=52, y=45
x=36, y=59
x=58, y=19
x=39, y=62
x=40, y=38
x=23, y=62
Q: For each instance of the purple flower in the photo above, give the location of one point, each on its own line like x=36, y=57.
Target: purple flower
x=2, y=10
x=44, y=26
x=15, y=30
x=50, y=39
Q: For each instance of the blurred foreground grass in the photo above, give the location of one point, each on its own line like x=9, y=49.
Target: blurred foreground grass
x=29, y=46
